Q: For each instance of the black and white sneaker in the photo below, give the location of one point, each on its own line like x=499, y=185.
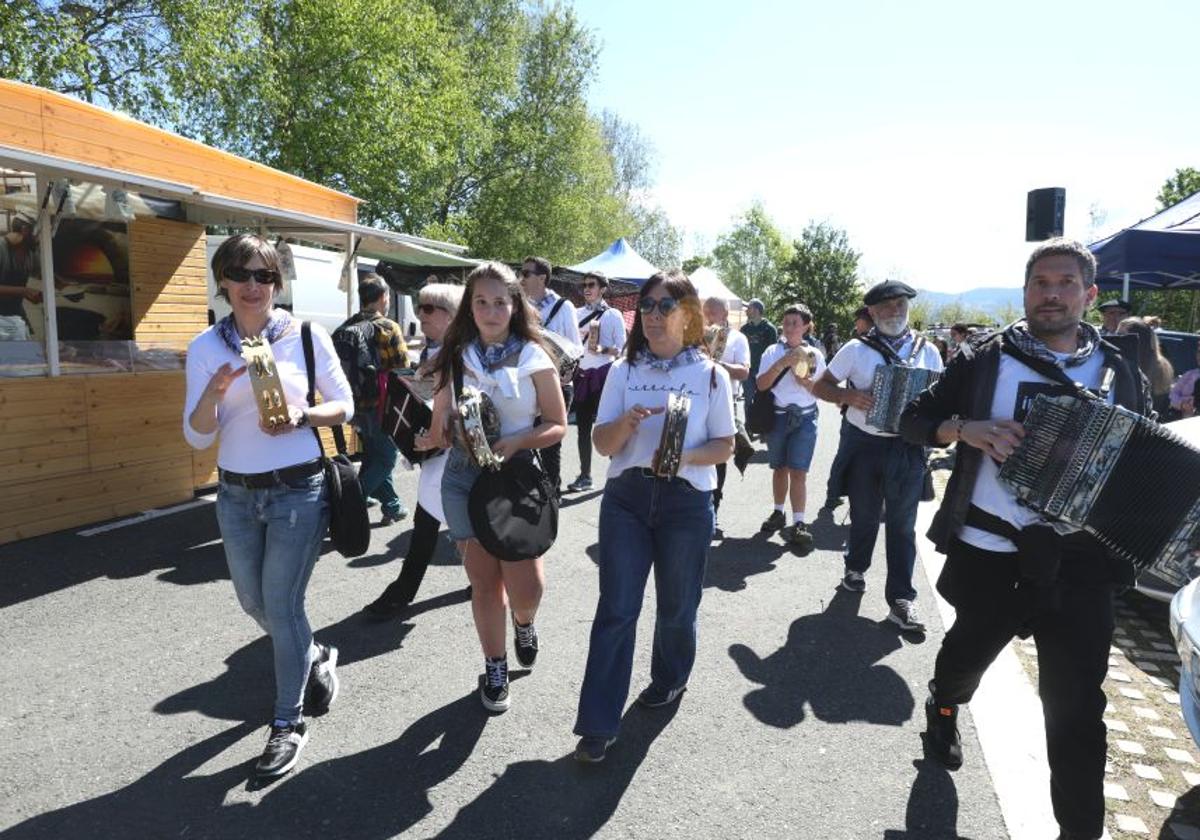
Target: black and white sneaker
x=284, y=744
x=773, y=522
x=798, y=537
x=904, y=613
x=853, y=581
x=493, y=685
x=579, y=485
x=653, y=697
x=525, y=640
x=323, y=684
x=591, y=749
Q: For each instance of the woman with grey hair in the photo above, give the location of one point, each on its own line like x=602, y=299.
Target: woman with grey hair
x=437, y=303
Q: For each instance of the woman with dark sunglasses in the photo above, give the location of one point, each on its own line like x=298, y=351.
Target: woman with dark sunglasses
x=602, y=330
x=648, y=522
x=271, y=502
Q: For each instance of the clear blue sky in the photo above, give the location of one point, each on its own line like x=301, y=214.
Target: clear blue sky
x=916, y=126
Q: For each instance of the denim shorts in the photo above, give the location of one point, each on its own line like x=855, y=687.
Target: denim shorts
x=791, y=443
x=457, y=481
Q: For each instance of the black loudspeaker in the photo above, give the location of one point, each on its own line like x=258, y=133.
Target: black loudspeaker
x=1044, y=210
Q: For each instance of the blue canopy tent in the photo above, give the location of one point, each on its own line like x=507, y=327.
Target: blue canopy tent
x=620, y=262
x=1161, y=252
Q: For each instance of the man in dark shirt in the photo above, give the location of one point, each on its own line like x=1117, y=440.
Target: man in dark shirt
x=761, y=334
x=18, y=256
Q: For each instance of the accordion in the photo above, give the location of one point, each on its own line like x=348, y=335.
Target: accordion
x=1120, y=477
x=408, y=412
x=892, y=388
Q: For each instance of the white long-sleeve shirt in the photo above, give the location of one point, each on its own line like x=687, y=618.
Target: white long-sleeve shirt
x=244, y=447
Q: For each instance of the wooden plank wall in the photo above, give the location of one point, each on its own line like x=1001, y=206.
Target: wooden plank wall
x=39, y=120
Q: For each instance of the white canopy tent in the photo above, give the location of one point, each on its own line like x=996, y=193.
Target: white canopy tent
x=709, y=284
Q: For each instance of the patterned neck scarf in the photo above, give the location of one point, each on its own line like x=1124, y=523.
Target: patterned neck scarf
x=893, y=341
x=493, y=355
x=1087, y=339
x=278, y=324
x=547, y=301
x=428, y=350
x=686, y=356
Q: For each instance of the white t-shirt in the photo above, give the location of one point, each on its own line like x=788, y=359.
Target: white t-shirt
x=510, y=388
x=429, y=482
x=244, y=447
x=565, y=321
x=856, y=362
x=737, y=352
x=1016, y=386
x=789, y=391
x=612, y=336
x=711, y=414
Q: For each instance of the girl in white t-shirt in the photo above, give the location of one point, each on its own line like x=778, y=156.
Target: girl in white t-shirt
x=647, y=522
x=494, y=338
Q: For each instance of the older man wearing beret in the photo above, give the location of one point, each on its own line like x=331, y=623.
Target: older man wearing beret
x=881, y=468
x=1114, y=312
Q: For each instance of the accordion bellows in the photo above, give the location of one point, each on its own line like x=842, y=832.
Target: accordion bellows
x=1122, y=478
x=892, y=388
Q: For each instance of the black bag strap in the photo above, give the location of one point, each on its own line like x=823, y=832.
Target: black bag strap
x=554, y=311
x=600, y=310
x=339, y=436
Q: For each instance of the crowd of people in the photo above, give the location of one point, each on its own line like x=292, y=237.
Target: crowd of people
x=489, y=337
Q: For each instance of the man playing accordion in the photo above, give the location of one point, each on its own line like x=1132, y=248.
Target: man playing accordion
x=1007, y=571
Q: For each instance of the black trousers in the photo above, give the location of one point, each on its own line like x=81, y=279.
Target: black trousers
x=552, y=455
x=1073, y=632
x=421, y=547
x=585, y=419
x=719, y=493
x=836, y=487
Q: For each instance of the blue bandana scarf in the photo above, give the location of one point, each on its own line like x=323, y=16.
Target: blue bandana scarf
x=1086, y=341
x=686, y=356
x=493, y=355
x=279, y=323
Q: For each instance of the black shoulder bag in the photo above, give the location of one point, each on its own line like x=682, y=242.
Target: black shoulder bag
x=513, y=510
x=760, y=419
x=349, y=527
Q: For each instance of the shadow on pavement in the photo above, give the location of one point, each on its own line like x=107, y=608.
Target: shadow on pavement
x=397, y=548
x=562, y=798
x=246, y=690
x=828, y=535
x=735, y=559
x=932, y=812
x=377, y=793
x=830, y=664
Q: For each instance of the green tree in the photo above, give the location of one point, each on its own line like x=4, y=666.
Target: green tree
x=692, y=263
x=1184, y=182
x=822, y=274
x=752, y=254
x=655, y=238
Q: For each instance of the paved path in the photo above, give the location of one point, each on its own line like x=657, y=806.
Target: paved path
x=136, y=692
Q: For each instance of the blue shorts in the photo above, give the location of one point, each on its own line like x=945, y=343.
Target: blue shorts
x=457, y=481
x=791, y=443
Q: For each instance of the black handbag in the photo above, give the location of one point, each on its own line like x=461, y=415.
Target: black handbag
x=349, y=527
x=760, y=419
x=513, y=510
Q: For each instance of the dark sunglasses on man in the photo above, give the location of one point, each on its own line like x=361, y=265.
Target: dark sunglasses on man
x=262, y=276
x=665, y=305
x=531, y=272
x=591, y=284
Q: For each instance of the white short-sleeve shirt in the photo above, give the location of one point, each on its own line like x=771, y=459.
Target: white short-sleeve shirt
x=612, y=335
x=711, y=414
x=856, y=362
x=565, y=321
x=737, y=352
x=788, y=391
x=510, y=387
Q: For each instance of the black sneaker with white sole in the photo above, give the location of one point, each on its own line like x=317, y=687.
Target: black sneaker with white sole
x=853, y=581
x=493, y=685
x=773, y=522
x=591, y=749
x=653, y=697
x=323, y=684
x=579, y=485
x=904, y=613
x=525, y=640
x=798, y=537
x=284, y=744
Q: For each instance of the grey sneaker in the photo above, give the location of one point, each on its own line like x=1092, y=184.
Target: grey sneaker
x=904, y=613
x=591, y=749
x=854, y=581
x=584, y=482
x=655, y=698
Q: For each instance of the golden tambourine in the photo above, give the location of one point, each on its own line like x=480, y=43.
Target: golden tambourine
x=807, y=362
x=264, y=382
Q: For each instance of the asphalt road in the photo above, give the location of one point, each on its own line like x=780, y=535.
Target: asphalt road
x=136, y=694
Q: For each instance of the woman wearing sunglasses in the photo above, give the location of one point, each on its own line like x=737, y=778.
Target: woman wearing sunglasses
x=603, y=333
x=493, y=341
x=437, y=305
x=647, y=522
x=271, y=501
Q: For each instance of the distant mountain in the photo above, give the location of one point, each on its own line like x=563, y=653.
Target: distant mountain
x=991, y=300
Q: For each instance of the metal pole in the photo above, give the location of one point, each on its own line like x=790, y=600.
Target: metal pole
x=350, y=273
x=49, y=305
x=1125, y=287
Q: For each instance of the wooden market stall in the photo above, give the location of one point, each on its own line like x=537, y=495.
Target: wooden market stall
x=93, y=427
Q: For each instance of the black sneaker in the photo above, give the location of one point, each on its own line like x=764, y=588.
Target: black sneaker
x=525, y=640
x=773, y=522
x=904, y=613
x=941, y=734
x=323, y=684
x=655, y=698
x=390, y=604
x=798, y=537
x=584, y=482
x=591, y=749
x=284, y=744
x=853, y=581
x=493, y=685
x=718, y=534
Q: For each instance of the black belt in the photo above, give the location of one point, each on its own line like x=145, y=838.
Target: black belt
x=263, y=480
x=646, y=472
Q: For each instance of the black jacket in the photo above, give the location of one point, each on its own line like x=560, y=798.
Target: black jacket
x=966, y=390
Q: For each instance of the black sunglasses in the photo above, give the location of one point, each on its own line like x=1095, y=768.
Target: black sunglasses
x=526, y=272
x=592, y=285
x=262, y=276
x=665, y=305
x=430, y=308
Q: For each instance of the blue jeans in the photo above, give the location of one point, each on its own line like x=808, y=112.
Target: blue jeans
x=879, y=470
x=379, y=459
x=272, y=538
x=644, y=523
